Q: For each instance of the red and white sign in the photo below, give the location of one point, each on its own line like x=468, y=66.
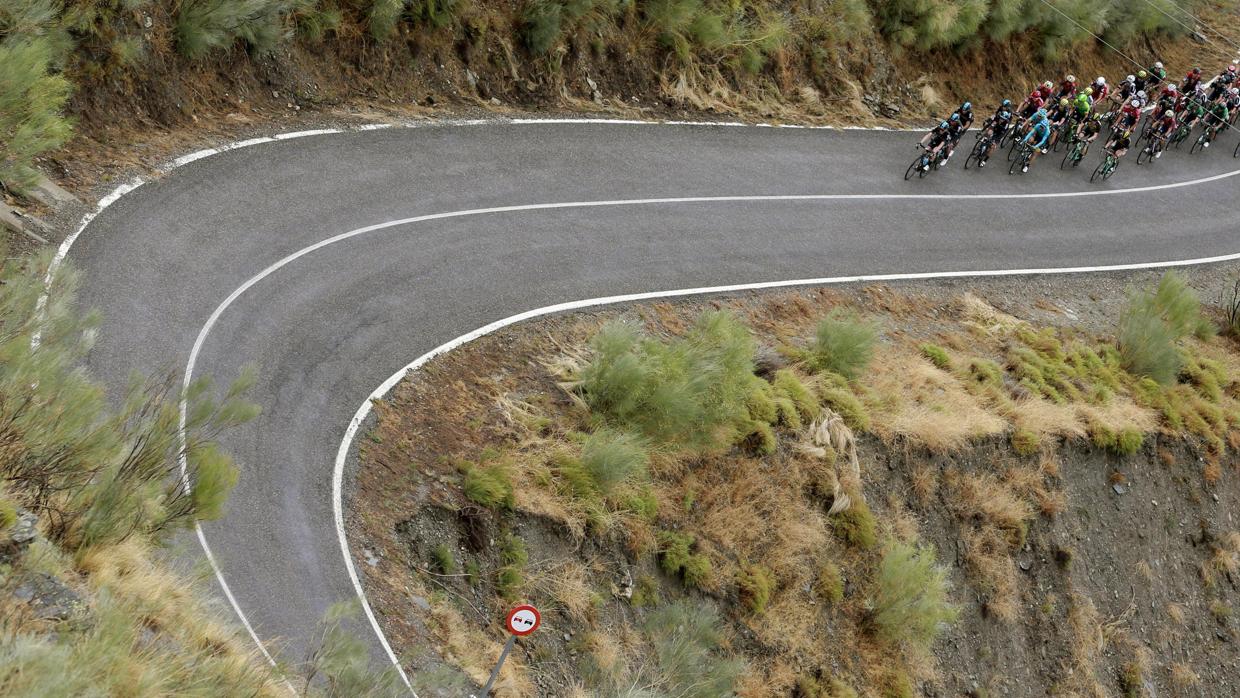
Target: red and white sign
x=523, y=620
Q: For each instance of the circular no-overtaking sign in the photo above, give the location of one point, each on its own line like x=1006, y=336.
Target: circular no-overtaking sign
x=523, y=620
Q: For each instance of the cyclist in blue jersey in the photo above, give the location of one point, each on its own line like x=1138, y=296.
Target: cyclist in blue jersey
x=1037, y=137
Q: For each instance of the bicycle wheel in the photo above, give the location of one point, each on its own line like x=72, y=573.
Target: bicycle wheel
x=1199, y=144
x=1144, y=156
x=913, y=168
x=1111, y=169
x=1067, y=157
x=1016, y=165
x=1237, y=153
x=1098, y=171
x=1011, y=153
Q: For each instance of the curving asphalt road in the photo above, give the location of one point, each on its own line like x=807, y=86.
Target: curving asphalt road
x=328, y=327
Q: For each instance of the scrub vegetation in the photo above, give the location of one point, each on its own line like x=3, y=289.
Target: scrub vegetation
x=122, y=58
x=722, y=468
x=91, y=491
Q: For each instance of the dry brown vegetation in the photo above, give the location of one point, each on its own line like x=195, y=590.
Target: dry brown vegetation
x=785, y=526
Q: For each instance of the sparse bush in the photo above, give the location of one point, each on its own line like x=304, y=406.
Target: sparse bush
x=856, y=525
x=686, y=642
x=837, y=395
x=645, y=592
x=32, y=100
x=692, y=392
x=937, y=355
x=510, y=579
x=843, y=344
x=910, y=603
x=676, y=558
x=489, y=484
x=1025, y=442
x=445, y=561
x=203, y=26
x=342, y=659
x=613, y=457
x=830, y=583
x=1129, y=441
x=756, y=585
x=1231, y=311
x=1153, y=323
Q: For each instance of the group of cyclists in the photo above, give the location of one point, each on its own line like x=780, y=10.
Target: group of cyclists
x=1076, y=115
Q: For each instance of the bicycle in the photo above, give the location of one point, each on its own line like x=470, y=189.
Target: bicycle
x=1237, y=153
x=1151, y=151
x=981, y=150
x=1181, y=134
x=923, y=164
x=1022, y=160
x=1106, y=168
x=1075, y=154
x=1204, y=140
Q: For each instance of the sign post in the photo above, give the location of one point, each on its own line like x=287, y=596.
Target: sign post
x=521, y=621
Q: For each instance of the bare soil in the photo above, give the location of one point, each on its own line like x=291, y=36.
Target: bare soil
x=1128, y=569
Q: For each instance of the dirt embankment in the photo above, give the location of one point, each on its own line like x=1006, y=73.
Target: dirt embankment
x=1081, y=564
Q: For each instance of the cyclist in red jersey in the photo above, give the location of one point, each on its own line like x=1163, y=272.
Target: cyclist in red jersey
x=1067, y=88
x=1100, y=88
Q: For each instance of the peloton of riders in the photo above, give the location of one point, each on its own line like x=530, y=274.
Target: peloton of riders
x=1068, y=110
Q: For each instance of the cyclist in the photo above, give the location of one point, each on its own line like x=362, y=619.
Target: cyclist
x=1126, y=90
x=1162, y=130
x=1191, y=81
x=933, y=142
x=966, y=115
x=1088, y=131
x=1157, y=74
x=1193, y=111
x=998, y=125
x=1233, y=100
x=1083, y=103
x=1143, y=79
x=1222, y=82
x=1119, y=144
x=955, y=131
x=1130, y=114
x=1037, y=136
x=1067, y=88
x=1100, y=88
x=1216, y=120
x=1032, y=104
x=1167, y=99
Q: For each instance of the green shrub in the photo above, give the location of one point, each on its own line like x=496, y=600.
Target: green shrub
x=676, y=558
x=445, y=561
x=686, y=642
x=542, y=24
x=1153, y=323
x=203, y=26
x=937, y=355
x=837, y=395
x=756, y=585
x=692, y=393
x=856, y=525
x=830, y=583
x=489, y=484
x=383, y=17
x=612, y=458
x=843, y=344
x=8, y=515
x=1025, y=442
x=1129, y=441
x=645, y=592
x=510, y=578
x=32, y=101
x=909, y=602
x=473, y=572
x=788, y=384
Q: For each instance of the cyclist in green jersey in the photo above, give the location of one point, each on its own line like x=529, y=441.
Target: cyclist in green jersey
x=1083, y=103
x=1216, y=120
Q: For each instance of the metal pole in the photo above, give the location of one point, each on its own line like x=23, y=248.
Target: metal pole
x=486, y=691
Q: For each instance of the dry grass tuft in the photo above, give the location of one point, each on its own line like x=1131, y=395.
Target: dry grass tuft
x=1043, y=417
x=926, y=405
x=984, y=317
x=1183, y=677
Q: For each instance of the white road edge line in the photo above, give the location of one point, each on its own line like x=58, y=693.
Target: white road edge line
x=337, y=478
x=63, y=251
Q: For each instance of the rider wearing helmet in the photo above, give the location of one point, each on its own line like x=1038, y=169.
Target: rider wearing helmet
x=1119, y=143
x=1100, y=88
x=1037, y=136
x=1219, y=86
x=1143, y=79
x=1191, y=81
x=1088, y=131
x=1067, y=88
x=934, y=141
x=1126, y=89
x=1084, y=103
x=1157, y=74
x=1163, y=128
x=998, y=125
x=1233, y=100
x=1046, y=88
x=966, y=115
x=1130, y=114
x=1216, y=120
x=955, y=129
x=1032, y=104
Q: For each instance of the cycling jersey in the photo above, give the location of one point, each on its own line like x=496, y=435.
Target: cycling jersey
x=1220, y=113
x=1066, y=89
x=1191, y=82
x=1166, y=124
x=1120, y=142
x=937, y=137
x=1100, y=91
x=955, y=130
x=1157, y=75
x=1083, y=104
x=1041, y=131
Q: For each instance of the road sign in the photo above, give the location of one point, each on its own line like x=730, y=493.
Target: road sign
x=523, y=620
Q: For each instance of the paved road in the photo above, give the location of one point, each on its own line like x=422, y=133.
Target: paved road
x=329, y=327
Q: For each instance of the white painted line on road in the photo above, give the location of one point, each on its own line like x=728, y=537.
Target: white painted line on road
x=303, y=134
x=63, y=250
